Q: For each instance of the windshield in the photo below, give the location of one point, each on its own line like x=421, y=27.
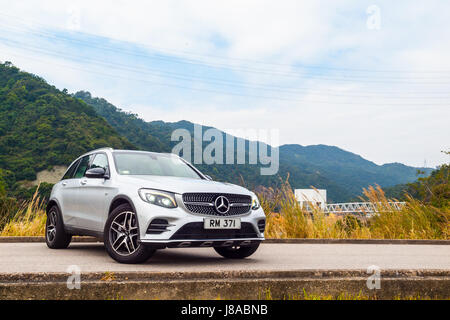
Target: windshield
x=141, y=163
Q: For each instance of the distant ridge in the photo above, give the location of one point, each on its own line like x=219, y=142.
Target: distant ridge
x=342, y=173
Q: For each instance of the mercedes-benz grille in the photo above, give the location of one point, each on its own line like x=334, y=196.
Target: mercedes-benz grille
x=217, y=204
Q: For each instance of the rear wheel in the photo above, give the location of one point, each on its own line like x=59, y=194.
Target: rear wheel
x=237, y=252
x=121, y=237
x=55, y=235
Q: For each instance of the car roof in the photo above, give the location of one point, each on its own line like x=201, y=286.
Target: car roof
x=123, y=150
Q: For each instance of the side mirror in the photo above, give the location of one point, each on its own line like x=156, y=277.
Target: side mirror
x=208, y=177
x=96, y=173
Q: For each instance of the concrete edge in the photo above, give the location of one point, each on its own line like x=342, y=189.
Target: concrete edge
x=242, y=285
x=270, y=240
x=121, y=276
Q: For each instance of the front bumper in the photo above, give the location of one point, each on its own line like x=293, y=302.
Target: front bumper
x=160, y=244
x=180, y=216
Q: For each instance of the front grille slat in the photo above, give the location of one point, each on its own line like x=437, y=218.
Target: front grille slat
x=203, y=203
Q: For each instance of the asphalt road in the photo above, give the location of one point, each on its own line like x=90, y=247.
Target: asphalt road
x=91, y=257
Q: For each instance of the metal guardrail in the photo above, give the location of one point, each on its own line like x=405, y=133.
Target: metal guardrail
x=352, y=207
x=365, y=208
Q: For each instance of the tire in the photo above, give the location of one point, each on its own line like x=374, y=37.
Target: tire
x=55, y=235
x=237, y=252
x=121, y=236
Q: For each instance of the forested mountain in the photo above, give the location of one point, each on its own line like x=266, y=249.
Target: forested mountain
x=350, y=171
x=41, y=126
x=342, y=173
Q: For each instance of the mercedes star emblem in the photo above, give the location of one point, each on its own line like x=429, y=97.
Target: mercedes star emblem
x=222, y=204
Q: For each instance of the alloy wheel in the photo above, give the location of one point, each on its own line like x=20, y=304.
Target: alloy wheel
x=123, y=233
x=51, y=226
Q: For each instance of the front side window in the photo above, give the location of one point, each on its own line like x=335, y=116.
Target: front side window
x=100, y=161
x=69, y=173
x=84, y=163
x=142, y=163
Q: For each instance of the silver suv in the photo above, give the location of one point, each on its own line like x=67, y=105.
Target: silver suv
x=138, y=202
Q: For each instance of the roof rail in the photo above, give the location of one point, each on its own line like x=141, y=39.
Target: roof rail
x=107, y=148
x=99, y=149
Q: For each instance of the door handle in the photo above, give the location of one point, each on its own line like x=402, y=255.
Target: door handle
x=83, y=182
x=64, y=184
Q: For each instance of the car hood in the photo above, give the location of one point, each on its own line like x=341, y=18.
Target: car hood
x=182, y=185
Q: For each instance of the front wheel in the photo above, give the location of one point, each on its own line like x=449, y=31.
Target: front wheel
x=121, y=237
x=237, y=252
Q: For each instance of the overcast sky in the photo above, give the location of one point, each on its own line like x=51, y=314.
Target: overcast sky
x=371, y=77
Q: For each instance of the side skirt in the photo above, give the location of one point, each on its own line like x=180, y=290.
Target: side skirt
x=76, y=231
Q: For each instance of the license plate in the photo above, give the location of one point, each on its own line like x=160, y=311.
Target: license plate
x=216, y=223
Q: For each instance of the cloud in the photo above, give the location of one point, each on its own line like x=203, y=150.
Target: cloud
x=255, y=50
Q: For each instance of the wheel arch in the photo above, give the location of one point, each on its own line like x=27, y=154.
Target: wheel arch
x=51, y=203
x=123, y=199
x=119, y=200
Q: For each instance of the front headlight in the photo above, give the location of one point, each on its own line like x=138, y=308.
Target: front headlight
x=255, y=203
x=159, y=198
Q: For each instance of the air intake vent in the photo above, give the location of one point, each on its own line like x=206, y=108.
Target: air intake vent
x=262, y=225
x=158, y=226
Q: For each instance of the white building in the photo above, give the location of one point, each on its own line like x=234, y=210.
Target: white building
x=306, y=197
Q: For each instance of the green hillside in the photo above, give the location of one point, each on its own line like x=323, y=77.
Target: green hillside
x=41, y=126
x=433, y=189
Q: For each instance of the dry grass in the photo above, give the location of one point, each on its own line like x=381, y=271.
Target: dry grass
x=414, y=221
x=286, y=219
x=292, y=221
x=267, y=295
x=29, y=219
x=108, y=276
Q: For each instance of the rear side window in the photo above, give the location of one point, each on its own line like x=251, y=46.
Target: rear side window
x=100, y=161
x=70, y=171
x=84, y=163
